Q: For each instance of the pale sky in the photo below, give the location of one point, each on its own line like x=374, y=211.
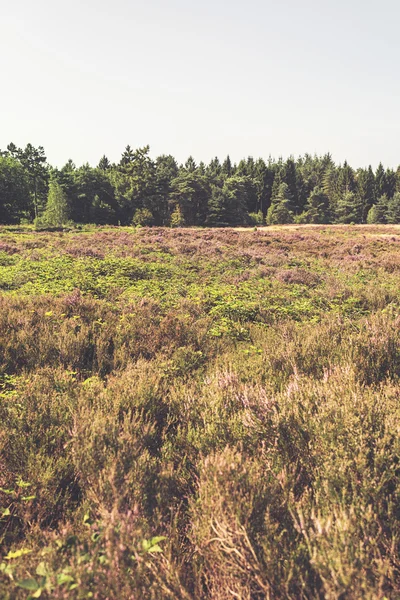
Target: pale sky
x=206, y=78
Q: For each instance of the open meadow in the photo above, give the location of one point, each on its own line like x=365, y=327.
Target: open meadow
x=200, y=413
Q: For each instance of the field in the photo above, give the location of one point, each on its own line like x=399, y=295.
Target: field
x=200, y=413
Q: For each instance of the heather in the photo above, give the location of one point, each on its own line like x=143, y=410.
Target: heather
x=200, y=413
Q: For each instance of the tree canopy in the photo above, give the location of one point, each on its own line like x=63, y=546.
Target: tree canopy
x=145, y=191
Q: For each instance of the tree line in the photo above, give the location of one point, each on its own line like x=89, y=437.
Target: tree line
x=141, y=191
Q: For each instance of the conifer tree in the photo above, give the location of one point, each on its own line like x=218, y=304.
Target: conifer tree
x=127, y=156
x=101, y=212
x=191, y=192
x=349, y=208
x=381, y=183
x=397, y=174
x=135, y=184
x=329, y=183
x=391, y=181
x=236, y=189
x=317, y=208
x=34, y=162
x=377, y=212
x=263, y=180
x=214, y=169
x=226, y=168
x=366, y=190
x=393, y=209
x=217, y=210
x=14, y=190
x=290, y=176
x=190, y=164
x=346, y=180
x=104, y=163
x=281, y=209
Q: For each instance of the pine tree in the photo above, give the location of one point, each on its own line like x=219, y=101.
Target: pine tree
x=281, y=210
x=263, y=181
x=127, y=156
x=241, y=169
x=290, y=177
x=397, y=179
x=166, y=171
x=366, y=190
x=329, y=183
x=104, y=163
x=217, y=210
x=214, y=169
x=349, y=209
x=191, y=191
x=135, y=185
x=102, y=213
x=346, y=181
x=226, y=168
x=190, y=164
x=380, y=181
x=236, y=190
x=377, y=212
x=309, y=175
x=34, y=162
x=317, y=208
x=14, y=190
x=393, y=209
x=391, y=182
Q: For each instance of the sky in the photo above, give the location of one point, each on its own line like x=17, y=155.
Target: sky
x=257, y=78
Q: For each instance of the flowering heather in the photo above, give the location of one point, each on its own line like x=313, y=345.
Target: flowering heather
x=200, y=413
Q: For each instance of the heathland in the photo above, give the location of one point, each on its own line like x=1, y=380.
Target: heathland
x=200, y=413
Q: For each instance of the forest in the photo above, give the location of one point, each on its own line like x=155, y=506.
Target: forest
x=141, y=191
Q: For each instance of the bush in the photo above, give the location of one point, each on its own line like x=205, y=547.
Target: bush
x=177, y=218
x=143, y=217
x=256, y=218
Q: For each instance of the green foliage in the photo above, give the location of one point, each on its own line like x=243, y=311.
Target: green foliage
x=143, y=217
x=309, y=189
x=317, y=208
x=177, y=218
x=393, y=209
x=56, y=213
x=101, y=212
x=236, y=190
x=378, y=212
x=280, y=212
x=188, y=198
x=348, y=208
x=256, y=218
x=14, y=190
